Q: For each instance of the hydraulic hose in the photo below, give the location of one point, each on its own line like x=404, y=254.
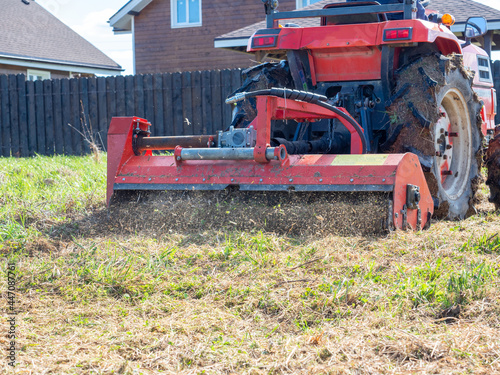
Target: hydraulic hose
x=304, y=96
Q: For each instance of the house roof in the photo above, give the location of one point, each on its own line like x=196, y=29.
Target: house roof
x=31, y=36
x=461, y=9
x=121, y=21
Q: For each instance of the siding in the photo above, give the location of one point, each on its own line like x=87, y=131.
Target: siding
x=10, y=69
x=159, y=48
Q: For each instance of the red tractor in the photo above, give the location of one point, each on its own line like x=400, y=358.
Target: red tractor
x=411, y=84
x=370, y=100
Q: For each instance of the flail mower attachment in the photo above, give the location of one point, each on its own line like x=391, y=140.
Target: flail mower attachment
x=236, y=179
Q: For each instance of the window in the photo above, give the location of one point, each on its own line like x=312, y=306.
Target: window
x=186, y=13
x=35, y=75
x=484, y=69
x=304, y=3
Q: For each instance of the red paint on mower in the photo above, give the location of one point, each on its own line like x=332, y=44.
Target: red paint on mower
x=264, y=168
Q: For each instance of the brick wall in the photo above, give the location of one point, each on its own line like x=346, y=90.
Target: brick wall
x=159, y=48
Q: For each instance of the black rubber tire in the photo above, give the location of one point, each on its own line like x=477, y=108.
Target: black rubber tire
x=492, y=161
x=436, y=100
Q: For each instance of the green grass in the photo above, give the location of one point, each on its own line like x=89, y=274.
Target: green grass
x=36, y=192
x=237, y=302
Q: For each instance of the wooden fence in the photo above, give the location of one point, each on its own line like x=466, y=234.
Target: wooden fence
x=57, y=116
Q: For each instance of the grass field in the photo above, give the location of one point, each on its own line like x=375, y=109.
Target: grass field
x=94, y=301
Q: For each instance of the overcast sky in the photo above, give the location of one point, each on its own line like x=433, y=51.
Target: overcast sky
x=89, y=19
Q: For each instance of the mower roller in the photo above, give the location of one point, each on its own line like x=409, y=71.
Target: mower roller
x=263, y=186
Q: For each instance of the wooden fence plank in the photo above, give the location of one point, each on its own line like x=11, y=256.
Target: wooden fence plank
x=49, y=117
x=5, y=116
x=31, y=120
x=197, y=107
x=158, y=127
x=177, y=104
x=226, y=91
x=129, y=96
x=139, y=96
x=75, y=116
x=120, y=95
x=111, y=96
x=168, y=113
x=103, y=119
x=187, y=104
x=58, y=122
x=84, y=107
x=23, y=116
x=40, y=118
x=206, y=104
x=148, y=97
x=93, y=112
x=14, y=116
x=215, y=78
x=66, y=117
x=235, y=79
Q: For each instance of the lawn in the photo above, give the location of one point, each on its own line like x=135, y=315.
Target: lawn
x=93, y=298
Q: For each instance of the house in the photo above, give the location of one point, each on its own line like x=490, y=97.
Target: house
x=237, y=39
x=178, y=35
x=37, y=44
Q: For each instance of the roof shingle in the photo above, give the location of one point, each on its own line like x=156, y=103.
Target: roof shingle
x=28, y=31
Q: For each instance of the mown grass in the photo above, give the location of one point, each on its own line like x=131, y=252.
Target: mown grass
x=238, y=302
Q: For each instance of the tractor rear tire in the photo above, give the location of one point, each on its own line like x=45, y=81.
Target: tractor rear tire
x=492, y=160
x=437, y=117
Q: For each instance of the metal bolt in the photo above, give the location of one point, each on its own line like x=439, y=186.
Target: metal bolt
x=396, y=215
x=204, y=179
x=179, y=158
x=320, y=180
x=260, y=180
x=383, y=180
x=232, y=180
x=123, y=179
x=352, y=180
x=176, y=179
x=291, y=180
x=150, y=178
